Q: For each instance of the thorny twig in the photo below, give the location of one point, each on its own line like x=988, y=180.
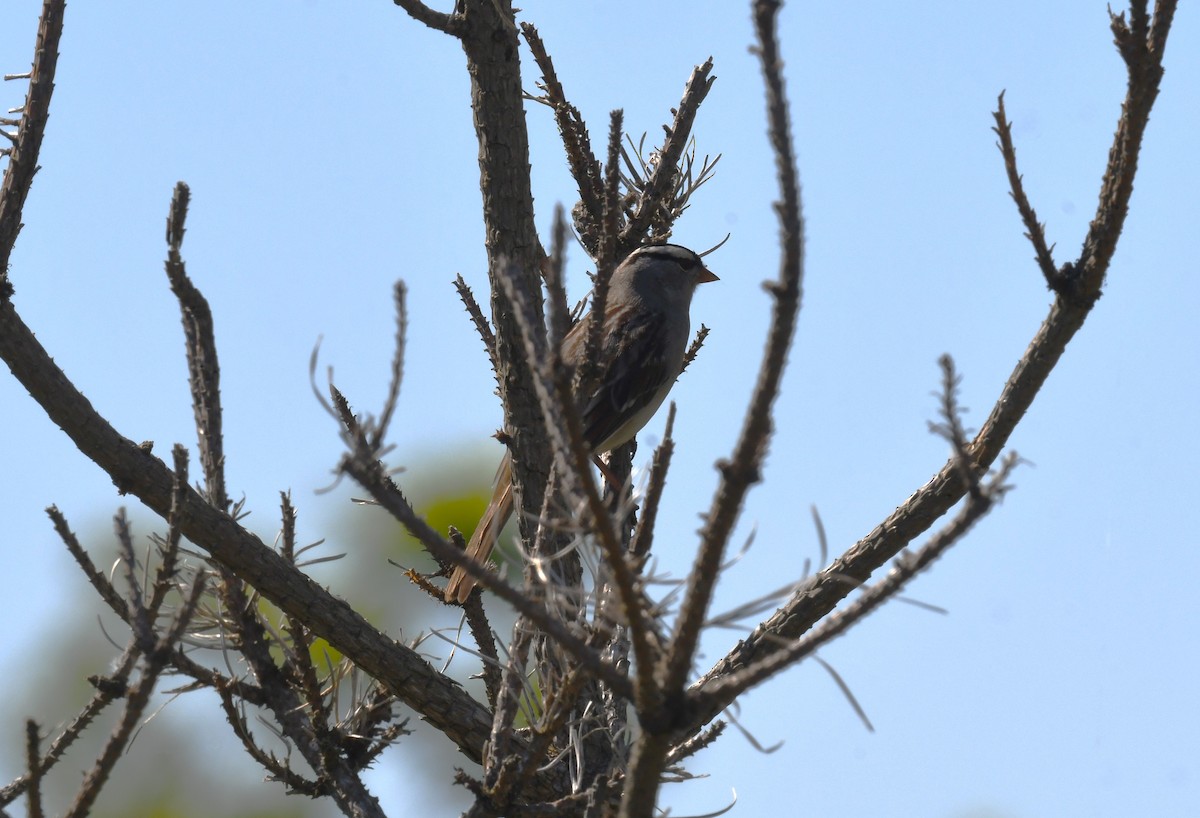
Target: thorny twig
x=1142, y=48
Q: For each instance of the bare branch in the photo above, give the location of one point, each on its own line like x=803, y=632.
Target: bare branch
x=694, y=349
x=743, y=470
x=274, y=768
x=164, y=579
x=501, y=755
x=135, y=470
x=560, y=703
x=204, y=372
x=399, y=292
x=135, y=705
x=491, y=43
x=633, y=612
x=689, y=748
x=951, y=427
x=558, y=317
x=1141, y=45
x=108, y=690
x=139, y=619
x=608, y=250
x=440, y=21
x=662, y=181
x=723, y=690
x=585, y=168
x=1035, y=231
x=98, y=580
x=23, y=155
x=606, y=263
x=644, y=536
x=33, y=765
x=370, y=475
x=481, y=632
x=933, y=500
x=481, y=324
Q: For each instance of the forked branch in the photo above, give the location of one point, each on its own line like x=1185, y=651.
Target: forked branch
x=660, y=725
x=744, y=467
x=1143, y=56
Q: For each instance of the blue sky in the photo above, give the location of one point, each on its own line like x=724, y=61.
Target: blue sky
x=329, y=151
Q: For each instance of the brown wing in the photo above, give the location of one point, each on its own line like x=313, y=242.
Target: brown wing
x=630, y=379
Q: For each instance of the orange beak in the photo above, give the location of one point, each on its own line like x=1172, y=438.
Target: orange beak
x=706, y=275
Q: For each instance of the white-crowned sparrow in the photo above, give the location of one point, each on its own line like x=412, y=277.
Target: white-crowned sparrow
x=645, y=336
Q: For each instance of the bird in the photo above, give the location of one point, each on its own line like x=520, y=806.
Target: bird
x=643, y=342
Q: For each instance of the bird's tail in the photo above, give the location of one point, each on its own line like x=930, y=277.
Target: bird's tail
x=483, y=540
